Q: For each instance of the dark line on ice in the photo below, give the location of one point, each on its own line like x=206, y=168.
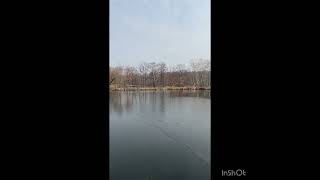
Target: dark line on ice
x=186, y=146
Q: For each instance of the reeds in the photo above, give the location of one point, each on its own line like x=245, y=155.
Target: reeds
x=169, y=88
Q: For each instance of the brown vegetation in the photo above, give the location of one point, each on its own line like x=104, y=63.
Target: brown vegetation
x=157, y=76
x=157, y=88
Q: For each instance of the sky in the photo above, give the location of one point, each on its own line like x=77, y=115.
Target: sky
x=170, y=31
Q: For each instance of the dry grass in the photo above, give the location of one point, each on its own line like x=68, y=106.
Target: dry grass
x=157, y=88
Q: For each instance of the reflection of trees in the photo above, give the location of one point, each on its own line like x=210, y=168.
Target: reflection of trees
x=162, y=102
x=129, y=101
x=142, y=100
x=153, y=99
x=122, y=101
x=115, y=102
x=126, y=101
x=195, y=93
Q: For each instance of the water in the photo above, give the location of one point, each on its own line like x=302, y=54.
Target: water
x=160, y=135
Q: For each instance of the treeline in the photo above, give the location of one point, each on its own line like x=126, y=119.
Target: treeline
x=196, y=73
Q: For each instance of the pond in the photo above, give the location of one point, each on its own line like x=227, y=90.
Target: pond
x=160, y=135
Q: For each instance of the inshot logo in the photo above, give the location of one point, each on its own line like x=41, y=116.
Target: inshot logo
x=238, y=172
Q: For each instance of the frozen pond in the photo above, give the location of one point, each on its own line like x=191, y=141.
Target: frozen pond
x=160, y=135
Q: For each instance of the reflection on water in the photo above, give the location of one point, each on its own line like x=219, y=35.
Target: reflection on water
x=120, y=101
x=160, y=135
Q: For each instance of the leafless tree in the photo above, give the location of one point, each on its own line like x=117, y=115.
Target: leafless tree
x=159, y=74
x=162, y=70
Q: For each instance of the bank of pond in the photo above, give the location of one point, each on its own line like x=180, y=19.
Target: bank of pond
x=156, y=88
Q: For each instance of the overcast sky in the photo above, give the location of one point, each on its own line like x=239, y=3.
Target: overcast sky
x=172, y=31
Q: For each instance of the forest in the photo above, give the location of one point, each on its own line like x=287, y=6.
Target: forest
x=151, y=75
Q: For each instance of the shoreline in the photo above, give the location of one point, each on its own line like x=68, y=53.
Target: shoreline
x=160, y=88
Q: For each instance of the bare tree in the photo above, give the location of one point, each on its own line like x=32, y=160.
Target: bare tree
x=181, y=68
x=143, y=69
x=153, y=73
x=159, y=74
x=162, y=71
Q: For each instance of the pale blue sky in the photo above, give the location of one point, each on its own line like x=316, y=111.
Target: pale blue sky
x=172, y=31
